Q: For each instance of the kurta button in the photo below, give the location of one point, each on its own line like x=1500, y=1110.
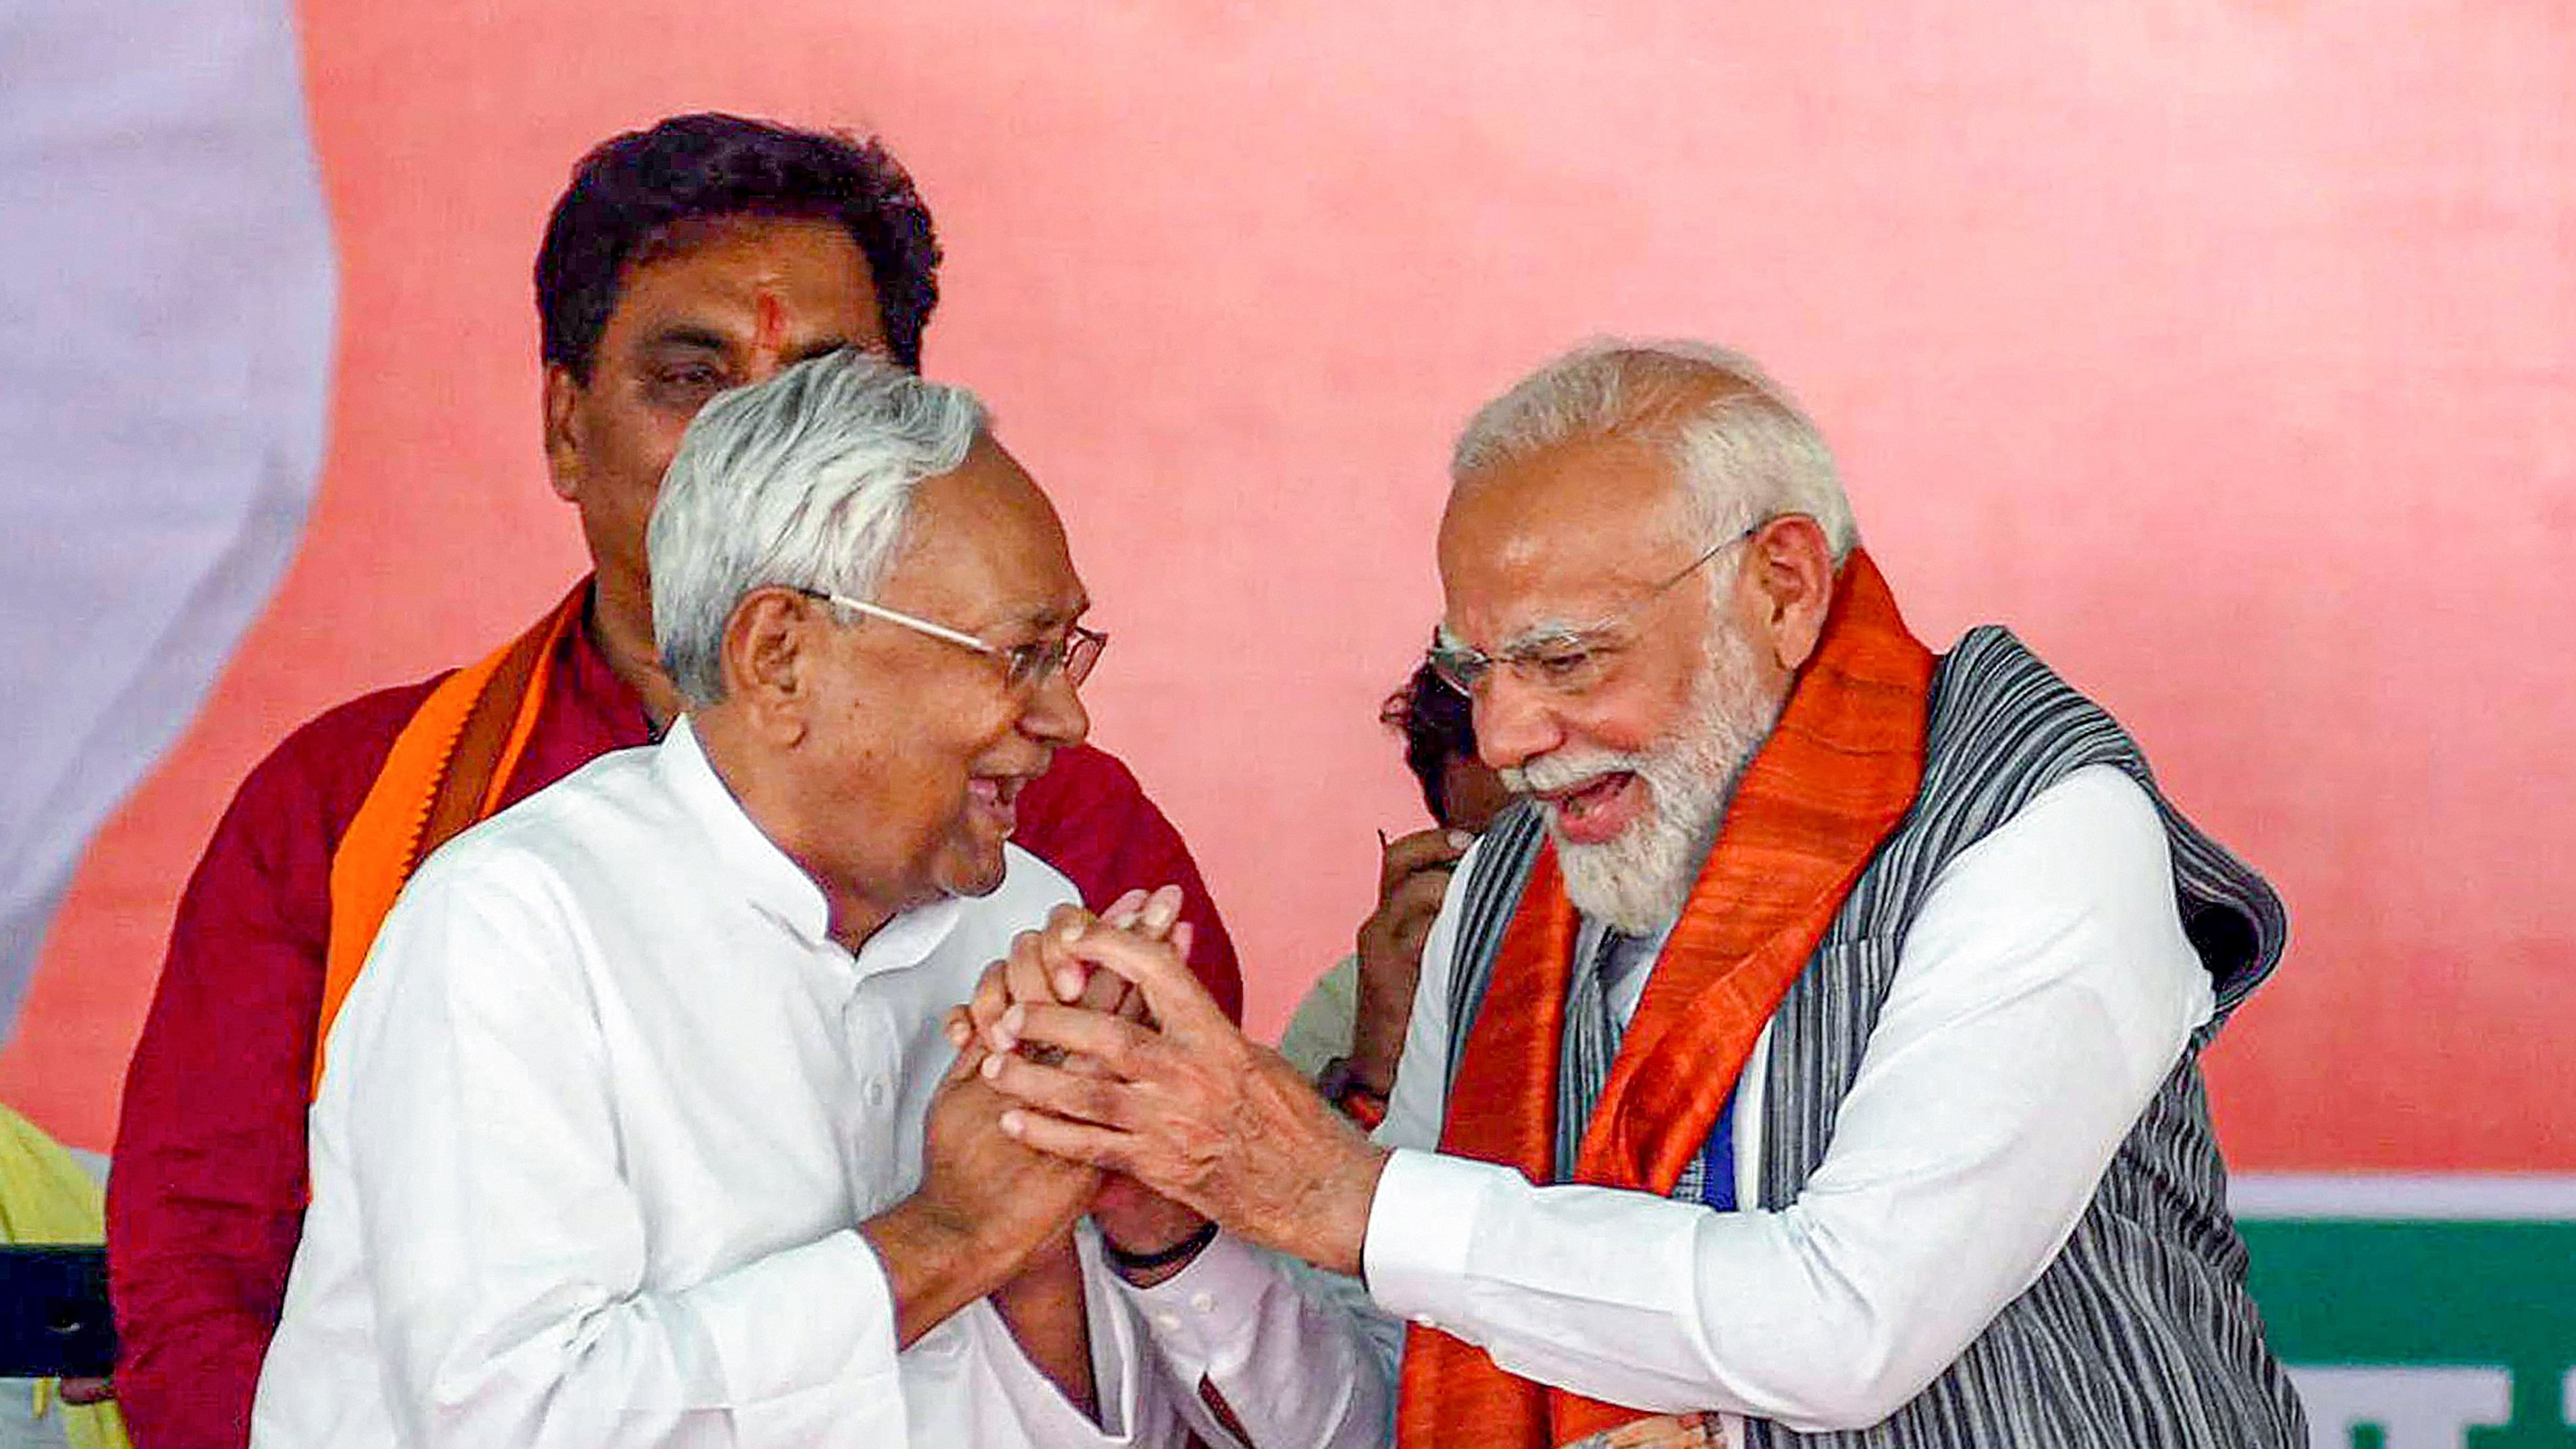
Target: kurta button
x=876, y=1094
x=1203, y=1302
x=1168, y=1322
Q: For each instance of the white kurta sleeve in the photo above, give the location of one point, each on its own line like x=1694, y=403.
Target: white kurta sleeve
x=1292, y=1364
x=2042, y=995
x=505, y=1250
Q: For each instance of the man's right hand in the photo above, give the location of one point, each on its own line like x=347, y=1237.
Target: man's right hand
x=1412, y=879
x=1131, y=1216
x=985, y=1206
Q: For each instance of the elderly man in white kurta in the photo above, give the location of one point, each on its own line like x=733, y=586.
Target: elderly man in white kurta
x=640, y=1127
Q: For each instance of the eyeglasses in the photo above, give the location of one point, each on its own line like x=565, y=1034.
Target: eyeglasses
x=1560, y=661
x=1025, y=667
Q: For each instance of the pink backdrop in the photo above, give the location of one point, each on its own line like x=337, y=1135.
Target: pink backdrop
x=2226, y=352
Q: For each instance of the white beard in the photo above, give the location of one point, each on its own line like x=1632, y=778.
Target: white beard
x=1637, y=881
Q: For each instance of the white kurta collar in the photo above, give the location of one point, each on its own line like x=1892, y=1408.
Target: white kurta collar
x=765, y=873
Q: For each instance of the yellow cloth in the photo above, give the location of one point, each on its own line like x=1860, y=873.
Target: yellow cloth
x=45, y=1197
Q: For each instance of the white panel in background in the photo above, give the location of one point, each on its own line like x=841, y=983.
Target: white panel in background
x=2413, y=1408
x=166, y=273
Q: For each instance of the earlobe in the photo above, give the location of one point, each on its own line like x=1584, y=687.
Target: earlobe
x=558, y=400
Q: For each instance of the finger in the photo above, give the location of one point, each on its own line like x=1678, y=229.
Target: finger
x=1065, y=976
x=1116, y=1042
x=1078, y=1063
x=1071, y=1095
x=1015, y=978
x=1409, y=853
x=1173, y=997
x=959, y=1027
x=1103, y=991
x=1068, y=920
x=1123, y=911
x=1107, y=991
x=1162, y=908
x=1034, y=973
x=1184, y=936
x=1102, y=1147
x=992, y=997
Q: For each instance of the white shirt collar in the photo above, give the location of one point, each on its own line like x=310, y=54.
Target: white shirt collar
x=773, y=881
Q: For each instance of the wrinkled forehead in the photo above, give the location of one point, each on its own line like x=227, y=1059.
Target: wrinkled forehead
x=985, y=544
x=1558, y=540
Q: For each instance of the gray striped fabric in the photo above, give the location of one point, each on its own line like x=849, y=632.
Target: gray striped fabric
x=2140, y=1335
x=1591, y=1043
x=1485, y=905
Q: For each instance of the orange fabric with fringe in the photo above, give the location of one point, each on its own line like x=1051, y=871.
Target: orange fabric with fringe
x=446, y=772
x=1837, y=775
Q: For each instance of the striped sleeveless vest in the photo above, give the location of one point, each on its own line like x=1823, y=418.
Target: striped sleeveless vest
x=2140, y=1335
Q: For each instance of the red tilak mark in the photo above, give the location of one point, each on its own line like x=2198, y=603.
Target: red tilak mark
x=769, y=324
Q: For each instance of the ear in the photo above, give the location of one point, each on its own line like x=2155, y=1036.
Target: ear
x=1789, y=576
x=770, y=656
x=559, y=399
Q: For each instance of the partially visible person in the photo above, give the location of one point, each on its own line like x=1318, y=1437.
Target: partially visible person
x=1824, y=1072
x=49, y=1193
x=1348, y=1034
x=639, y=1128
x=702, y=254
x=1438, y=723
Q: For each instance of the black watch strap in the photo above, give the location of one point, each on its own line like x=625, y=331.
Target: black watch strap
x=1180, y=1252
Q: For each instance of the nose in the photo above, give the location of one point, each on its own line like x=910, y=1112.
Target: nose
x=1055, y=715
x=1515, y=723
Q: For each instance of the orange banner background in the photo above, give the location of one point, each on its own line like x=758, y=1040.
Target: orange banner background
x=2226, y=352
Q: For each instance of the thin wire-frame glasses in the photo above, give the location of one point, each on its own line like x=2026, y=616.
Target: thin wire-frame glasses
x=1024, y=666
x=1565, y=661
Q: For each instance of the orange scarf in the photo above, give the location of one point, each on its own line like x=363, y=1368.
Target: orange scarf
x=446, y=771
x=1835, y=777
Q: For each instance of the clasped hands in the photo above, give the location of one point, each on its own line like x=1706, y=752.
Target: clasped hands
x=1110, y=1054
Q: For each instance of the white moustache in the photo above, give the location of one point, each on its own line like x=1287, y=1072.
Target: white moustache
x=1549, y=773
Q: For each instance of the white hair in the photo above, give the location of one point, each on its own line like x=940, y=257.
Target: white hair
x=805, y=480
x=1740, y=446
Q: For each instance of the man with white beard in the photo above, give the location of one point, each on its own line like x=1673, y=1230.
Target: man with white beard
x=1813, y=1062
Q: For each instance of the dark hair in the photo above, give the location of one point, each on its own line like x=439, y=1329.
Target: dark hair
x=1439, y=725
x=636, y=192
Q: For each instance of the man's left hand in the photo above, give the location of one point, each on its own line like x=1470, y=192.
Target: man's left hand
x=1195, y=1111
